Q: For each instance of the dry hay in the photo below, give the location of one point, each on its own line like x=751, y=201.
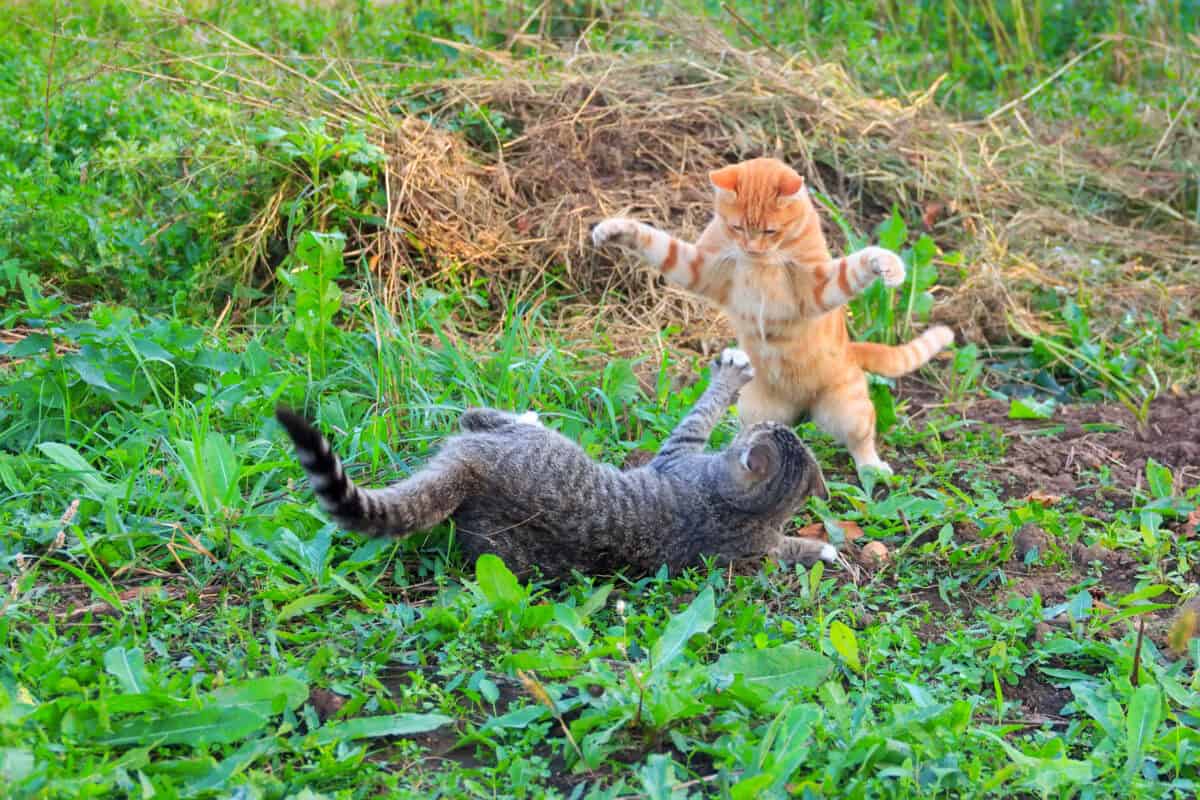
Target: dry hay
x=601, y=134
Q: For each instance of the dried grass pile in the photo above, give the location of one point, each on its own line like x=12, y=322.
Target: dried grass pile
x=601, y=134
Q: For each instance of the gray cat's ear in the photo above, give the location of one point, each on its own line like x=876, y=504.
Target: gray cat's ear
x=758, y=460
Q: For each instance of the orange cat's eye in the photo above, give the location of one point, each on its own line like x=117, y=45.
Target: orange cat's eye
x=771, y=231
x=738, y=228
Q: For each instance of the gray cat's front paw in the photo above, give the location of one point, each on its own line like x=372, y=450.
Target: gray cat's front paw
x=795, y=549
x=736, y=365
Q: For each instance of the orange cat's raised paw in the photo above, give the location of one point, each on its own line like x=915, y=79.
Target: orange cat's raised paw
x=886, y=264
x=614, y=230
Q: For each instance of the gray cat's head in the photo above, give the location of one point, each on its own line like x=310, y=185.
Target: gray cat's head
x=772, y=469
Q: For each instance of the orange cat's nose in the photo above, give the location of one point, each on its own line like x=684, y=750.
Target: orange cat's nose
x=758, y=247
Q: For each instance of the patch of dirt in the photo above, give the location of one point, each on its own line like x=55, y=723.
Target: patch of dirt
x=930, y=627
x=76, y=603
x=1068, y=454
x=637, y=458
x=1041, y=701
x=1117, y=570
x=326, y=703
x=1049, y=585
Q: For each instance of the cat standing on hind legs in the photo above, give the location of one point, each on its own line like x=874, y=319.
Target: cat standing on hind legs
x=535, y=498
x=764, y=260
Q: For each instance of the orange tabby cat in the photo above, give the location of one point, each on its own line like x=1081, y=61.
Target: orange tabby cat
x=764, y=260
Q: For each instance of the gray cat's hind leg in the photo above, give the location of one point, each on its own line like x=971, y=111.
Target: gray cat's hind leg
x=807, y=551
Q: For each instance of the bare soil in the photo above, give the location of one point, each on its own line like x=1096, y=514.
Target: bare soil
x=1094, y=453
x=1041, y=701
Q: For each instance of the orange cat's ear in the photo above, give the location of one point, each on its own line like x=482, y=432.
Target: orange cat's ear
x=790, y=185
x=725, y=178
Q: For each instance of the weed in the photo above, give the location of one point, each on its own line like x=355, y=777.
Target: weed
x=179, y=619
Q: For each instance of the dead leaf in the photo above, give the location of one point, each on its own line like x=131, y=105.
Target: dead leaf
x=325, y=703
x=1183, y=629
x=851, y=532
x=933, y=212
x=813, y=531
x=1045, y=498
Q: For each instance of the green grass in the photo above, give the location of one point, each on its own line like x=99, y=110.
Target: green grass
x=177, y=618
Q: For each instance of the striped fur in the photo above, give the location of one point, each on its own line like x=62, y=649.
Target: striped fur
x=764, y=260
x=533, y=497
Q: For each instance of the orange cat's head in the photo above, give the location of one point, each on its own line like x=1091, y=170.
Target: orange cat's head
x=762, y=203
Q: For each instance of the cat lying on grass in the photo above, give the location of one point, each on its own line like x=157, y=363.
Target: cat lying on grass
x=533, y=497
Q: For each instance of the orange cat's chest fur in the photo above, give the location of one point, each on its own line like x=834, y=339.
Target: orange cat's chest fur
x=774, y=324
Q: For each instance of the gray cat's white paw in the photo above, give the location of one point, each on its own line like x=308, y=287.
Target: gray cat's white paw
x=530, y=418
x=828, y=554
x=737, y=362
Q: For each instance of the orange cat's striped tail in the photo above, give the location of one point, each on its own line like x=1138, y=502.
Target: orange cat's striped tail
x=892, y=362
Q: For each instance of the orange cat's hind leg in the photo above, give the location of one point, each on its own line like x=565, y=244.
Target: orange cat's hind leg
x=846, y=413
x=757, y=403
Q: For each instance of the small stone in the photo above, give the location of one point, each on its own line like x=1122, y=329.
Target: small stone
x=1030, y=538
x=325, y=703
x=875, y=554
x=1098, y=552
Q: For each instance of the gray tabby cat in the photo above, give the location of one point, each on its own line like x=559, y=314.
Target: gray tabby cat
x=534, y=498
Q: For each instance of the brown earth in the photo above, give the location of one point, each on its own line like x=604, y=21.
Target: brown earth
x=1095, y=453
x=1041, y=701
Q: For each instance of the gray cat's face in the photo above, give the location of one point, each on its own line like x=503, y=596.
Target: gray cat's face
x=773, y=468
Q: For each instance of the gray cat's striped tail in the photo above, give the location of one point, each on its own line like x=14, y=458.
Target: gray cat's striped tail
x=336, y=493
x=413, y=504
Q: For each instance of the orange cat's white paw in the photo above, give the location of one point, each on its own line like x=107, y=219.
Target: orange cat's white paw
x=886, y=264
x=615, y=230
x=876, y=465
x=737, y=363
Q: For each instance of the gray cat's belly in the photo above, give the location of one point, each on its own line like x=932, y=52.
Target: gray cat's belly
x=526, y=539
x=530, y=542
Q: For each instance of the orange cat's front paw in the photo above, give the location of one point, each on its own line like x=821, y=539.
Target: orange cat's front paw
x=886, y=264
x=614, y=230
